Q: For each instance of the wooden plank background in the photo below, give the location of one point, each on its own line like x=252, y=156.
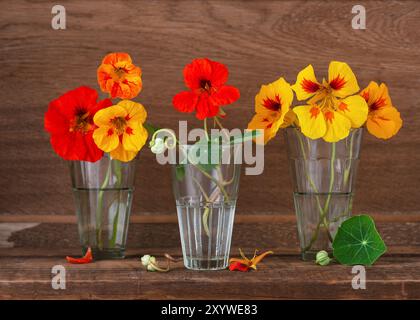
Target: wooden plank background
x=258, y=40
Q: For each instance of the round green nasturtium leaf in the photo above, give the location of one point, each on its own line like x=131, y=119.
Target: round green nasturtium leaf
x=358, y=242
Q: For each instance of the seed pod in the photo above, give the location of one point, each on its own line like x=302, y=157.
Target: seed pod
x=322, y=258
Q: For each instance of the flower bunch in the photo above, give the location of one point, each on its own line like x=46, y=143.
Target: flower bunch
x=83, y=128
x=207, y=94
x=332, y=107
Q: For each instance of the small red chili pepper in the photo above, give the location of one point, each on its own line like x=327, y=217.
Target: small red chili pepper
x=87, y=258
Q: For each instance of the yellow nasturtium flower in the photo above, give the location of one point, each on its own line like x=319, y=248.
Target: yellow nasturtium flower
x=384, y=120
x=272, y=106
x=332, y=109
x=120, y=129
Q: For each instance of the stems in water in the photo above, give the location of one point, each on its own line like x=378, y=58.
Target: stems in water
x=118, y=173
x=323, y=221
x=99, y=207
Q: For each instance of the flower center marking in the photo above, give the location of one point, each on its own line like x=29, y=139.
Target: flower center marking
x=81, y=122
x=205, y=85
x=309, y=86
x=272, y=104
x=119, y=73
x=314, y=112
x=119, y=124
x=337, y=83
x=379, y=103
x=329, y=116
x=342, y=106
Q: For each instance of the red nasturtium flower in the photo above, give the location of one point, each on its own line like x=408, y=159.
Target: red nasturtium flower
x=69, y=120
x=87, y=258
x=206, y=80
x=118, y=76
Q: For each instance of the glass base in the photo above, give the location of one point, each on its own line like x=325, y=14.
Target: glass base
x=107, y=254
x=205, y=264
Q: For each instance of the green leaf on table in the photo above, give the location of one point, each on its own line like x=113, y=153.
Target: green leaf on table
x=358, y=242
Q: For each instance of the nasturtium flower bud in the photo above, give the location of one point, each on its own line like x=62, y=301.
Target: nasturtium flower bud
x=151, y=267
x=147, y=260
x=151, y=264
x=157, y=146
x=322, y=258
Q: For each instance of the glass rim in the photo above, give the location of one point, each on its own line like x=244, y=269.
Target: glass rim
x=298, y=129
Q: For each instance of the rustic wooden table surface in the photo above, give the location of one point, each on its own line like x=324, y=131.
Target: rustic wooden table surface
x=25, y=267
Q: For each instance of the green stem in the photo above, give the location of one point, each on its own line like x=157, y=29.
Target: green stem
x=206, y=213
x=347, y=171
x=323, y=219
x=221, y=128
x=205, y=129
x=118, y=173
x=99, y=207
x=308, y=176
x=323, y=211
x=332, y=171
x=218, y=183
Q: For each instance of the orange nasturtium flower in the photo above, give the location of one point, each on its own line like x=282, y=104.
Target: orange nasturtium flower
x=272, y=105
x=332, y=109
x=246, y=264
x=120, y=129
x=118, y=76
x=384, y=120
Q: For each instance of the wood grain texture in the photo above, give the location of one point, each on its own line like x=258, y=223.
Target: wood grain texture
x=259, y=41
x=279, y=236
x=278, y=277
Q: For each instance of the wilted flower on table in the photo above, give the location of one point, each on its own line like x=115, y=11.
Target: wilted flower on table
x=69, y=120
x=246, y=264
x=120, y=130
x=118, y=76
